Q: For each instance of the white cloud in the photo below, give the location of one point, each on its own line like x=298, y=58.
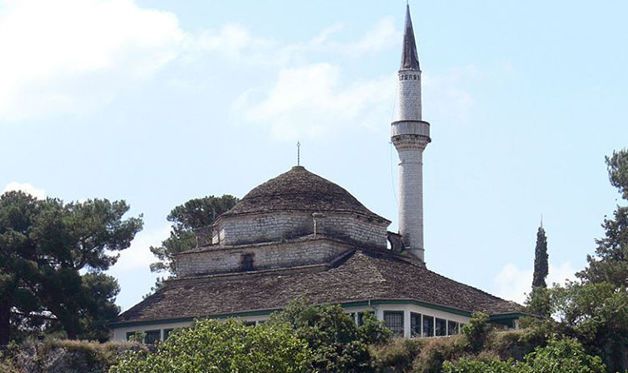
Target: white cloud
x=75, y=56
x=237, y=42
x=26, y=188
x=72, y=55
x=513, y=283
x=138, y=256
x=447, y=95
x=311, y=101
x=383, y=35
x=230, y=40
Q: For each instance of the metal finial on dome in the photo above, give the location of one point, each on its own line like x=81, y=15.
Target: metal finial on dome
x=298, y=153
x=409, y=55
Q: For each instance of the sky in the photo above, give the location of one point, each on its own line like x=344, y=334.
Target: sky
x=157, y=102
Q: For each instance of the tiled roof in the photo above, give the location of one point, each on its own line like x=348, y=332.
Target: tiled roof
x=299, y=189
x=359, y=275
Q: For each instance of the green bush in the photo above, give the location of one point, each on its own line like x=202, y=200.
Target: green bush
x=515, y=343
x=55, y=355
x=229, y=346
x=476, y=331
x=337, y=344
x=559, y=356
x=396, y=356
x=563, y=356
x=488, y=365
x=436, y=351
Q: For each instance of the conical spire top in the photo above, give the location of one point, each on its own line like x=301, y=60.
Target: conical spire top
x=409, y=55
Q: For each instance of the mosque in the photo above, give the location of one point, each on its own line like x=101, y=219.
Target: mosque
x=300, y=236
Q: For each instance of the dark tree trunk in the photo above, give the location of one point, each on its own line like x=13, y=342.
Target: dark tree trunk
x=5, y=314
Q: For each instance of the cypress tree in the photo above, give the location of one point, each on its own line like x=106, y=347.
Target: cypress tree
x=540, y=260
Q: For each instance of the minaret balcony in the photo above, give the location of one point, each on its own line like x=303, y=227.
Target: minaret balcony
x=410, y=127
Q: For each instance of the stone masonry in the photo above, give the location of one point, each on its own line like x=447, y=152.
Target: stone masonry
x=267, y=227
x=309, y=250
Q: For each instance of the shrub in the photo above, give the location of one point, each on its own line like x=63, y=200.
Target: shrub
x=54, y=355
x=337, y=344
x=436, y=351
x=230, y=346
x=396, y=356
x=563, y=356
x=515, y=343
x=476, y=331
x=490, y=365
x=559, y=356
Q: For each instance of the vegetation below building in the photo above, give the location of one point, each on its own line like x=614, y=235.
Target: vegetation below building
x=311, y=339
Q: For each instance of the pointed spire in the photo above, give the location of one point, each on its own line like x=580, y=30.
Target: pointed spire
x=409, y=55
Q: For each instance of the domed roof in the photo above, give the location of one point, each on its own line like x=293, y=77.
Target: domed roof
x=300, y=190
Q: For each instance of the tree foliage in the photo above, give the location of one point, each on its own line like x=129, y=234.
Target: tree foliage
x=540, y=260
x=337, y=344
x=538, y=302
x=538, y=299
x=186, y=219
x=51, y=258
x=216, y=346
x=559, y=356
x=596, y=314
x=610, y=263
x=595, y=310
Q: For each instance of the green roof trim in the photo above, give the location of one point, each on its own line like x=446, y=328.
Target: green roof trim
x=190, y=319
x=507, y=317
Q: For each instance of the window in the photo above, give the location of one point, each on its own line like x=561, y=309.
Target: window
x=167, y=333
x=452, y=327
x=246, y=262
x=441, y=327
x=428, y=326
x=152, y=336
x=130, y=335
x=415, y=324
x=394, y=321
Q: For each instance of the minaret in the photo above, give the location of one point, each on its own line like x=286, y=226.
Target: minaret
x=410, y=135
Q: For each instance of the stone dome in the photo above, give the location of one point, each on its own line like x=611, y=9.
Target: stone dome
x=300, y=190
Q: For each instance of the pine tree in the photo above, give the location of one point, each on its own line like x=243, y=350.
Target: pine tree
x=540, y=260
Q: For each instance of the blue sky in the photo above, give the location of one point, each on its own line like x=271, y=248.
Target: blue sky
x=157, y=102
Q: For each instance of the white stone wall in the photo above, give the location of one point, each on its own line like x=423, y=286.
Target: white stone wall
x=409, y=95
x=354, y=228
x=276, y=226
x=411, y=199
x=242, y=229
x=265, y=256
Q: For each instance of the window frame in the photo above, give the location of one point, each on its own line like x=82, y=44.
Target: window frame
x=398, y=330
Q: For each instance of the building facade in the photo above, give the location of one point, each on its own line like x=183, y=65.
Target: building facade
x=300, y=236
